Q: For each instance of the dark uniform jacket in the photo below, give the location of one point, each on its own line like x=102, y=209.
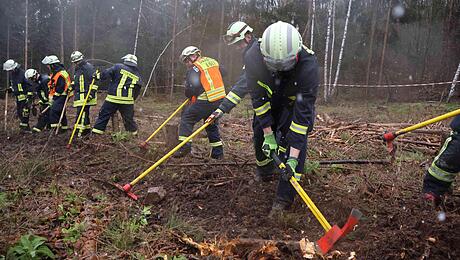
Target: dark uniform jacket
x=42, y=89
x=455, y=124
x=294, y=90
x=125, y=83
x=82, y=80
x=239, y=89
x=22, y=89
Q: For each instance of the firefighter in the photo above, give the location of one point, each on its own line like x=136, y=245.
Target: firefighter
x=240, y=35
x=59, y=86
x=282, y=75
x=43, y=99
x=445, y=166
x=205, y=87
x=124, y=88
x=22, y=90
x=82, y=80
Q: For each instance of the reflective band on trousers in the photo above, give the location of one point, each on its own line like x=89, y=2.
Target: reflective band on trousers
x=439, y=173
x=264, y=162
x=216, y=144
x=234, y=98
x=300, y=129
x=97, y=131
x=262, y=109
x=182, y=138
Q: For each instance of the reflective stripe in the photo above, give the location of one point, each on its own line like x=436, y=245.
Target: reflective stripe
x=20, y=87
x=437, y=172
x=282, y=149
x=300, y=129
x=182, y=138
x=202, y=96
x=234, y=98
x=309, y=51
x=54, y=125
x=216, y=144
x=36, y=130
x=266, y=87
x=120, y=100
x=23, y=124
x=21, y=97
x=211, y=78
x=264, y=162
x=262, y=109
x=97, y=131
x=121, y=85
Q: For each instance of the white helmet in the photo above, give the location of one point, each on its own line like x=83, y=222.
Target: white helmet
x=236, y=32
x=52, y=59
x=76, y=56
x=280, y=44
x=130, y=60
x=190, y=50
x=10, y=65
x=30, y=74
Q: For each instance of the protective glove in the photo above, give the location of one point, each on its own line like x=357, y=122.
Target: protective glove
x=269, y=145
x=215, y=116
x=292, y=164
x=97, y=75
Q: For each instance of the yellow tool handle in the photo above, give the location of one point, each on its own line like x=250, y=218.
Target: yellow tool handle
x=81, y=112
x=167, y=120
x=319, y=216
x=428, y=122
x=142, y=175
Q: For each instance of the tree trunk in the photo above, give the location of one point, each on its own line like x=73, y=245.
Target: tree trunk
x=173, y=56
x=371, y=45
x=312, y=23
x=337, y=72
x=427, y=43
x=137, y=29
x=326, y=50
x=384, y=45
x=222, y=16
x=93, y=40
x=332, y=48
x=26, y=39
x=7, y=75
x=75, y=24
x=454, y=82
x=61, y=7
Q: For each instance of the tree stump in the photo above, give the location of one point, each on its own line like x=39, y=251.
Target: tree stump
x=171, y=135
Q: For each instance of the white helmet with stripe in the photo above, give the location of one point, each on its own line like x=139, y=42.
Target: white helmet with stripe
x=280, y=44
x=190, y=50
x=130, y=60
x=30, y=74
x=76, y=56
x=52, y=59
x=10, y=65
x=236, y=32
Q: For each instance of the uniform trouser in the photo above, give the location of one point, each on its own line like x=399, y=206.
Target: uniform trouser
x=23, y=111
x=285, y=192
x=43, y=119
x=444, y=167
x=110, y=108
x=192, y=114
x=84, y=124
x=55, y=112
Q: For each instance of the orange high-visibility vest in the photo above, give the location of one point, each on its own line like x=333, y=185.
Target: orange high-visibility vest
x=54, y=79
x=210, y=78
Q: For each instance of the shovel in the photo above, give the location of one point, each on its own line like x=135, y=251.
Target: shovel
x=144, y=144
x=388, y=137
x=127, y=187
x=334, y=233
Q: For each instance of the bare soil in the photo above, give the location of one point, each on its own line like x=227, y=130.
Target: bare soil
x=49, y=190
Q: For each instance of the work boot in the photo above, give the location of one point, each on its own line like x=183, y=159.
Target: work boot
x=183, y=151
x=265, y=173
x=217, y=153
x=26, y=130
x=278, y=209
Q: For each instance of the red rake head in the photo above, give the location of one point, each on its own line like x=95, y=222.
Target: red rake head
x=388, y=138
x=126, y=189
x=335, y=233
x=68, y=146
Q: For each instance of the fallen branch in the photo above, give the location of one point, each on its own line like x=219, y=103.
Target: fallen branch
x=417, y=142
x=253, y=163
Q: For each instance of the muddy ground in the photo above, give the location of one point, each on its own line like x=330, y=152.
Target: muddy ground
x=67, y=196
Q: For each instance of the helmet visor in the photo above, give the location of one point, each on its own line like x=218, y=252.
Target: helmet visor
x=280, y=65
x=230, y=39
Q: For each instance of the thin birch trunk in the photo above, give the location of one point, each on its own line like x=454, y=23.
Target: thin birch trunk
x=371, y=45
x=93, y=40
x=7, y=74
x=75, y=24
x=332, y=48
x=337, y=72
x=454, y=83
x=312, y=23
x=307, y=26
x=427, y=43
x=326, y=86
x=62, y=31
x=222, y=16
x=384, y=45
x=26, y=39
x=137, y=29
x=173, y=58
